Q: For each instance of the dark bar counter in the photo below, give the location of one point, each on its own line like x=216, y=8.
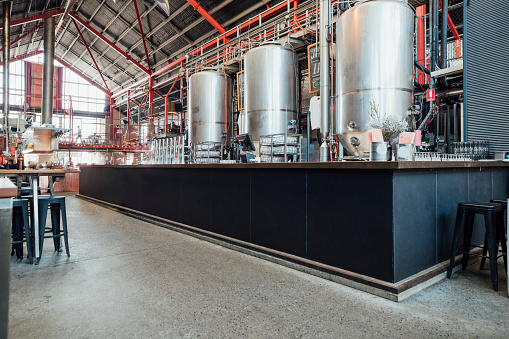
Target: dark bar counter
x=383, y=220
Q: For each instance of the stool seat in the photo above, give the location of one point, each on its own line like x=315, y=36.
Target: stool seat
x=479, y=207
x=501, y=202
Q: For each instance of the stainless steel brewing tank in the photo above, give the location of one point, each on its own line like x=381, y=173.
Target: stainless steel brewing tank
x=270, y=89
x=374, y=63
x=210, y=103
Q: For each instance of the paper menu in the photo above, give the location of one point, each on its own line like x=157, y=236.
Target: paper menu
x=375, y=135
x=406, y=138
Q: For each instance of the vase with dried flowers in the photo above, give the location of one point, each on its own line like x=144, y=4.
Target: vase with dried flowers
x=390, y=124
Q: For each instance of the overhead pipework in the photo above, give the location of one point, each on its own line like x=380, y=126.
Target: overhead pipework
x=325, y=7
x=48, y=71
x=6, y=57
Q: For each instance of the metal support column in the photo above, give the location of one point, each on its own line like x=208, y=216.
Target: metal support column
x=48, y=71
x=324, y=77
x=6, y=58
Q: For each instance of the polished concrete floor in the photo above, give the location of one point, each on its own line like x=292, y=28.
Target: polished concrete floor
x=130, y=279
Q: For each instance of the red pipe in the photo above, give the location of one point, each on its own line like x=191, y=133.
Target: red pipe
x=207, y=16
x=91, y=55
x=421, y=40
x=24, y=35
x=108, y=42
x=172, y=87
x=34, y=18
x=142, y=35
x=160, y=95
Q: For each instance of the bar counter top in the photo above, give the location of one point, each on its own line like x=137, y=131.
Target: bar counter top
x=379, y=165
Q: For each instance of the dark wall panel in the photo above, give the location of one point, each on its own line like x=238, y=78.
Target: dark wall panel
x=195, y=198
x=230, y=203
x=414, y=213
x=452, y=188
x=350, y=220
x=278, y=210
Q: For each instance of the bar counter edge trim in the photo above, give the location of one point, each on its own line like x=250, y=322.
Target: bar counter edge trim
x=394, y=290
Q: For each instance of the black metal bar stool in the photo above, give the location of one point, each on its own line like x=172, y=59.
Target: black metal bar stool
x=56, y=205
x=465, y=219
x=21, y=228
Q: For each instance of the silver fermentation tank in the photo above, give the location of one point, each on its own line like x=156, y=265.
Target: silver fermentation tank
x=374, y=63
x=270, y=90
x=210, y=105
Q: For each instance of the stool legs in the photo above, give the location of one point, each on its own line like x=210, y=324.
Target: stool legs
x=55, y=225
x=43, y=213
x=490, y=221
x=64, y=226
x=460, y=215
x=21, y=226
x=468, y=229
x=500, y=238
x=27, y=234
x=17, y=234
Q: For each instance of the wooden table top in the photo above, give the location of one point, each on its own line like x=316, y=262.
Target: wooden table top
x=40, y=172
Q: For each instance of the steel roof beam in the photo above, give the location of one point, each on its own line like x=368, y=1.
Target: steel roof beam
x=127, y=31
x=108, y=42
x=173, y=38
x=77, y=36
x=150, y=33
x=68, y=23
x=78, y=73
x=227, y=23
x=34, y=18
x=90, y=65
x=142, y=35
x=24, y=25
x=91, y=55
x=35, y=32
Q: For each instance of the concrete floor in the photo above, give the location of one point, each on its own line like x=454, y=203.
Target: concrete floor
x=131, y=279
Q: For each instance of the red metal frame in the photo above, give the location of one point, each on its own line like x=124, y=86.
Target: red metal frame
x=34, y=18
x=197, y=7
x=166, y=105
x=24, y=35
x=142, y=35
x=108, y=42
x=91, y=55
x=82, y=75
